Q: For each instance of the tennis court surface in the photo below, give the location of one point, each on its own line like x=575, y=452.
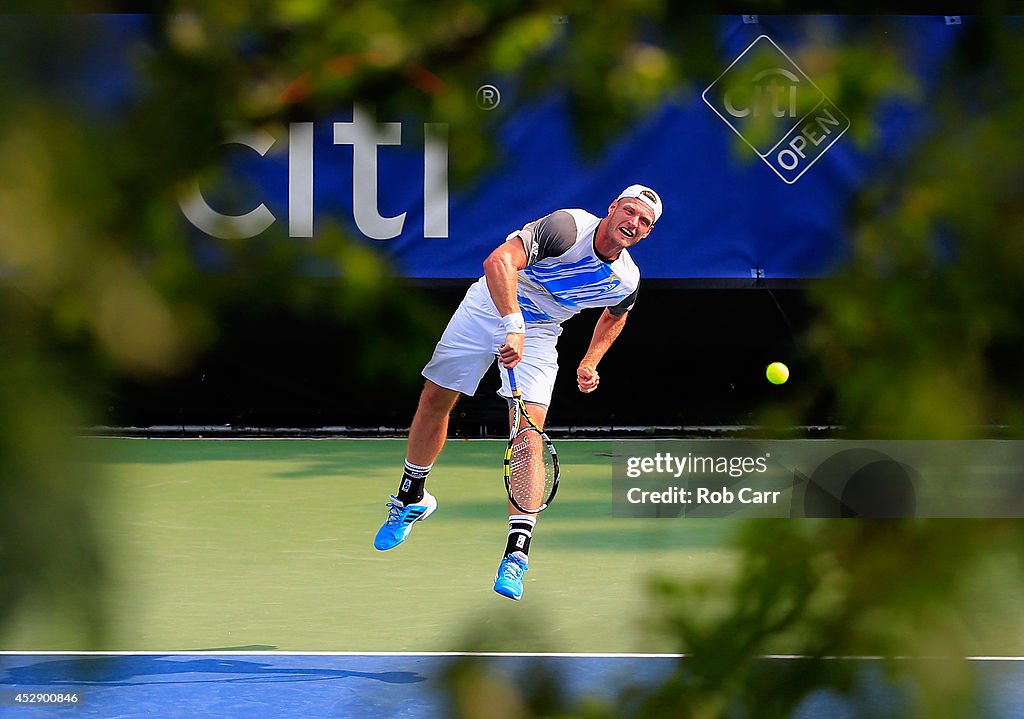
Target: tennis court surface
x=245, y=584
x=269, y=543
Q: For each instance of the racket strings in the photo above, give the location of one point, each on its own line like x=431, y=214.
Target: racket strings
x=531, y=469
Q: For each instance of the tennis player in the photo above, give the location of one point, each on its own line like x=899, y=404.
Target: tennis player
x=538, y=278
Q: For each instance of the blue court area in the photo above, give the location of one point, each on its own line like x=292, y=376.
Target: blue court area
x=235, y=685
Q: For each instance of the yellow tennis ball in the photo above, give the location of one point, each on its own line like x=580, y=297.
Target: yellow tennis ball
x=777, y=373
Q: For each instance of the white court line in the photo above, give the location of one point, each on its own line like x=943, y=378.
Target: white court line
x=566, y=655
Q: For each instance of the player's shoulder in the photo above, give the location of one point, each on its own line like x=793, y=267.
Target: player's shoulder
x=562, y=223
x=581, y=218
x=553, y=235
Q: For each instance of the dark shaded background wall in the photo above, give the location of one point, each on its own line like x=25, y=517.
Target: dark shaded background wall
x=687, y=357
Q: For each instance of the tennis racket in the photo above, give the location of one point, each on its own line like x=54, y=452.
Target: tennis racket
x=531, y=464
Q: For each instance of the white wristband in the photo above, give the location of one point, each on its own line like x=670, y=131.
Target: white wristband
x=514, y=323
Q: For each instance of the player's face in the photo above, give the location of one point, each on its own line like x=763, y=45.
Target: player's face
x=629, y=221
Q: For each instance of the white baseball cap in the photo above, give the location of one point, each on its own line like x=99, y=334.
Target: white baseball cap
x=646, y=195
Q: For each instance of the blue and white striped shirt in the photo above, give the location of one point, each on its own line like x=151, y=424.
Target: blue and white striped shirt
x=565, y=275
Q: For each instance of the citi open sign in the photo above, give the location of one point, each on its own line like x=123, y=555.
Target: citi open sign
x=776, y=109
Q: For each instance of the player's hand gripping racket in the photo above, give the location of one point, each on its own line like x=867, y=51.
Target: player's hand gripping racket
x=531, y=464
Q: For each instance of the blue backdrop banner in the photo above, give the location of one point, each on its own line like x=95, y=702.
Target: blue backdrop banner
x=757, y=166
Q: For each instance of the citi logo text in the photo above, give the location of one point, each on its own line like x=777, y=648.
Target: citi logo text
x=772, y=97
x=366, y=136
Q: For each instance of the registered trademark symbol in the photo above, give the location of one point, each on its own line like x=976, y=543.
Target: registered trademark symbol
x=488, y=97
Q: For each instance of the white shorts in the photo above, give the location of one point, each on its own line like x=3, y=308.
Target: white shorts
x=470, y=344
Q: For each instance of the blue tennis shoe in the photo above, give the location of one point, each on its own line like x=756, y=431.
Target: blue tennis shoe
x=508, y=582
x=400, y=519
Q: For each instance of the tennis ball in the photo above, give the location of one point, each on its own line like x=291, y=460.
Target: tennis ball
x=777, y=373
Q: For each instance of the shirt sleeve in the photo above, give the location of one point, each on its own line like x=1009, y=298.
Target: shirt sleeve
x=550, y=236
x=626, y=305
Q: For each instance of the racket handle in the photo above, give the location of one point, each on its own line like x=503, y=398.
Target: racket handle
x=512, y=381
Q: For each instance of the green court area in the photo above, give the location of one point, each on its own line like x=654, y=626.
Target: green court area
x=268, y=544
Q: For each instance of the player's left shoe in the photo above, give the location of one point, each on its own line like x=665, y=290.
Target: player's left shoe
x=400, y=519
x=508, y=582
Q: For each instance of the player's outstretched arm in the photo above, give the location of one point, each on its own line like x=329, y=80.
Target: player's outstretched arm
x=607, y=329
x=501, y=268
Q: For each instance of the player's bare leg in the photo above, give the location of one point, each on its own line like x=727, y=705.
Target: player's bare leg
x=430, y=424
x=427, y=434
